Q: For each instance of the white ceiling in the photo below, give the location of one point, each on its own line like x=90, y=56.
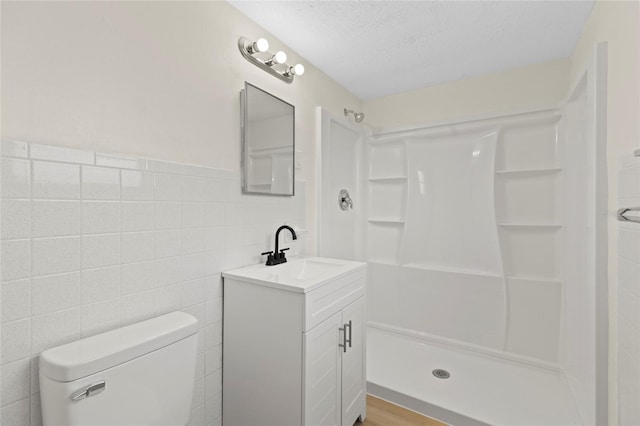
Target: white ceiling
x=377, y=48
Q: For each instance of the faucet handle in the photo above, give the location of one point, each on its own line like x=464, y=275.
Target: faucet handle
x=266, y=252
x=270, y=257
x=284, y=249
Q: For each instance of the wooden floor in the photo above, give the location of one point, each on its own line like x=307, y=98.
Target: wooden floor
x=383, y=413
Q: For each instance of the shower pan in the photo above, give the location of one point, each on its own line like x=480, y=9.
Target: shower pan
x=485, y=260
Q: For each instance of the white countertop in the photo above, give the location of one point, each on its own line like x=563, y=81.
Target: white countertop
x=298, y=274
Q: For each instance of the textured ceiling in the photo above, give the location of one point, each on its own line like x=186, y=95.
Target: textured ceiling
x=377, y=48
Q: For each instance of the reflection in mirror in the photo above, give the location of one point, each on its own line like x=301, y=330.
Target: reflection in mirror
x=267, y=142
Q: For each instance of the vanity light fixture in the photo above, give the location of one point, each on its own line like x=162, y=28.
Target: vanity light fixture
x=257, y=53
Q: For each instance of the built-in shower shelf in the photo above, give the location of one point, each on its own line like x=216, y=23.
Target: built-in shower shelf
x=388, y=179
x=393, y=221
x=541, y=171
x=464, y=271
x=531, y=225
x=535, y=279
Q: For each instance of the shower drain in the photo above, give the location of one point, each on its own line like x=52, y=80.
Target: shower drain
x=441, y=374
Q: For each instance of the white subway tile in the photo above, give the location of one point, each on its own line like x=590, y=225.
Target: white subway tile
x=197, y=417
x=216, y=214
x=214, y=262
x=168, y=270
x=168, y=187
x=16, y=340
x=101, y=217
x=193, y=266
x=213, y=409
x=137, y=216
x=213, y=384
x=101, y=284
x=193, y=240
x=136, y=185
x=193, y=292
x=16, y=300
x=137, y=307
x=56, y=181
x=213, y=310
x=35, y=380
x=137, y=277
x=16, y=178
x=195, y=189
x=100, y=317
x=100, y=250
x=16, y=414
x=100, y=183
x=15, y=381
x=56, y=218
x=213, y=287
x=120, y=161
x=16, y=259
x=168, y=299
x=55, y=293
x=55, y=255
x=137, y=246
x=216, y=238
x=167, y=243
x=15, y=149
x=168, y=215
x=15, y=219
x=56, y=329
x=194, y=215
x=213, y=335
x=213, y=359
x=58, y=153
x=36, y=410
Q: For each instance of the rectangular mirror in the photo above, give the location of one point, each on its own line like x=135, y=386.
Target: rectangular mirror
x=268, y=141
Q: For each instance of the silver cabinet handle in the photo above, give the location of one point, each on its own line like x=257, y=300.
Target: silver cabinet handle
x=350, y=328
x=623, y=211
x=92, y=389
x=343, y=345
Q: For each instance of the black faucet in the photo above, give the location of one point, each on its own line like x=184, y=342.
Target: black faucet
x=277, y=257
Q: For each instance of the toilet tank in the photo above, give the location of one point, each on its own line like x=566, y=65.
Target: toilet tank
x=142, y=374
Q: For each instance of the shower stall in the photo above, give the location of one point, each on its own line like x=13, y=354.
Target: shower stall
x=486, y=268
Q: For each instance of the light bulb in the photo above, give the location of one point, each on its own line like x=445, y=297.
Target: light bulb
x=260, y=45
x=298, y=69
x=280, y=57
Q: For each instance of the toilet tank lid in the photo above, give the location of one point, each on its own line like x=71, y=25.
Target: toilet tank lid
x=94, y=354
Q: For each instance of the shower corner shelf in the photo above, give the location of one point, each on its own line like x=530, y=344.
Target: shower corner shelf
x=542, y=170
x=388, y=179
x=530, y=225
x=390, y=221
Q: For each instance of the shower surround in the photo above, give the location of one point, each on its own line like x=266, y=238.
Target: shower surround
x=474, y=265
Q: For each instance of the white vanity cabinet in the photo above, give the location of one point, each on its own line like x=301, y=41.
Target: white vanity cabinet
x=294, y=344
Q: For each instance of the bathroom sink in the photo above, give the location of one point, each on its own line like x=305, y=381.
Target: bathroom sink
x=301, y=274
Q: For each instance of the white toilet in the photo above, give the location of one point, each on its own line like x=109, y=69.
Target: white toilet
x=142, y=374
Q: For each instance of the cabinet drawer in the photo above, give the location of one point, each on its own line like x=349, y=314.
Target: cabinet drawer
x=320, y=304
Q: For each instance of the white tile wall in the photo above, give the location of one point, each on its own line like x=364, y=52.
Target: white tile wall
x=92, y=242
x=629, y=297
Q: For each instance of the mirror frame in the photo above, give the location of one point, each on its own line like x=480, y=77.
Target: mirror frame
x=244, y=140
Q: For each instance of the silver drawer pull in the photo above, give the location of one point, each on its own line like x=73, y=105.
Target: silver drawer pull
x=90, y=390
x=350, y=328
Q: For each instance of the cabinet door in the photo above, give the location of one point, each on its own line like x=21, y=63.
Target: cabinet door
x=353, y=365
x=322, y=373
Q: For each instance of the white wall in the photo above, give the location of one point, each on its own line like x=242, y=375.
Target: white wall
x=153, y=79
x=536, y=85
x=617, y=23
